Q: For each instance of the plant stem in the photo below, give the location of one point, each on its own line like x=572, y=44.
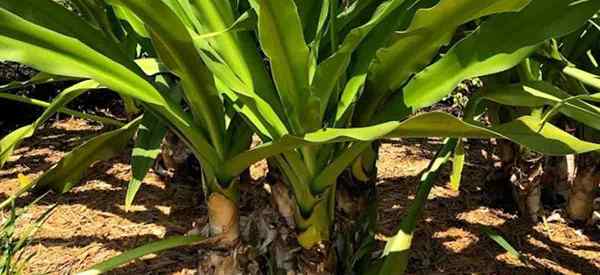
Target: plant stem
x=332, y=27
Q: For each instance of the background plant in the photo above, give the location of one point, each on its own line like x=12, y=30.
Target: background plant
x=552, y=87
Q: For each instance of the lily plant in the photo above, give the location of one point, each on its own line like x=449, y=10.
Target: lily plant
x=317, y=81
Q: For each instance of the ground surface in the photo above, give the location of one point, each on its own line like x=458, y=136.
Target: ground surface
x=90, y=223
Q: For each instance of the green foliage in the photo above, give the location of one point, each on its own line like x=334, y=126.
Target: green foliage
x=72, y=167
x=487, y=50
x=502, y=242
x=396, y=253
x=14, y=240
x=12, y=140
x=147, y=147
x=458, y=163
x=150, y=248
x=336, y=79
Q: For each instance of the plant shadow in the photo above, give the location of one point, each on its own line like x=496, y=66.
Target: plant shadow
x=449, y=238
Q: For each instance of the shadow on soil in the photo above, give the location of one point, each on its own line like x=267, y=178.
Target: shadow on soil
x=430, y=254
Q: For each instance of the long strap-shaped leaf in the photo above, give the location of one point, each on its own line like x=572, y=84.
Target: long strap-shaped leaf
x=365, y=54
x=138, y=252
x=48, y=37
x=44, y=104
x=147, y=147
x=499, y=44
x=333, y=68
x=355, y=11
x=176, y=49
x=12, y=140
x=429, y=31
x=63, y=44
x=308, y=11
x=39, y=78
x=526, y=130
x=281, y=38
x=242, y=68
x=71, y=168
x=397, y=249
x=412, y=49
x=136, y=24
x=539, y=94
x=237, y=49
x=94, y=11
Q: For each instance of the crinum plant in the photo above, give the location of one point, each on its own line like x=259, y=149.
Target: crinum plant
x=359, y=65
x=558, y=84
x=338, y=76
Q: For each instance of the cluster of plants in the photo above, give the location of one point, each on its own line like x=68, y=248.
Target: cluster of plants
x=319, y=82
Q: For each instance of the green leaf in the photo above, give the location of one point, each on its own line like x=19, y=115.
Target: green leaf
x=308, y=11
x=13, y=258
x=488, y=51
x=9, y=143
x=50, y=38
x=177, y=50
x=430, y=30
x=330, y=71
x=492, y=234
x=40, y=103
x=262, y=115
x=355, y=11
x=39, y=78
x=589, y=79
x=396, y=253
x=246, y=22
x=136, y=253
x=71, y=168
x=365, y=55
x=538, y=94
x=242, y=60
x=328, y=176
x=46, y=36
x=458, y=163
x=147, y=147
x=304, y=198
x=281, y=38
x=152, y=66
x=260, y=126
x=12, y=140
x=126, y=15
x=239, y=135
x=314, y=228
x=95, y=13
x=526, y=130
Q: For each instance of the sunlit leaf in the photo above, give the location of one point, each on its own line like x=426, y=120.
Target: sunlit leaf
x=147, y=147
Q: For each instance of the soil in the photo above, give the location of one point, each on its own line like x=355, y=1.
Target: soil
x=90, y=223
x=98, y=102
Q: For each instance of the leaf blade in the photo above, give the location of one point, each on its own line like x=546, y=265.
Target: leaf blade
x=147, y=147
x=487, y=50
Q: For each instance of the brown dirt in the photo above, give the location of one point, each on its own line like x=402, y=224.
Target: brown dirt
x=449, y=238
x=90, y=224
